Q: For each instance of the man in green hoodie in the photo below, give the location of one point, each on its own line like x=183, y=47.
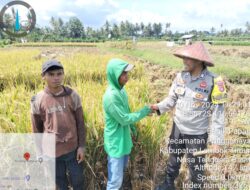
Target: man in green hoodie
x=119, y=121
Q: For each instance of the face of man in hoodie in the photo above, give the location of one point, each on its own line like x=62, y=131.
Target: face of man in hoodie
x=123, y=79
x=54, y=78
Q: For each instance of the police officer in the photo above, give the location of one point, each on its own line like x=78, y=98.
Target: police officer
x=198, y=97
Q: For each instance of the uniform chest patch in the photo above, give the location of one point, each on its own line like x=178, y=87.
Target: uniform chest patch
x=203, y=84
x=180, y=90
x=199, y=96
x=221, y=86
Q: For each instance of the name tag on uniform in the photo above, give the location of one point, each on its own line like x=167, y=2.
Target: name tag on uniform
x=180, y=90
x=199, y=96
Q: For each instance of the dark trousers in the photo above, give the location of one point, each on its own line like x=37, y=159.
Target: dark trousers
x=174, y=163
x=67, y=164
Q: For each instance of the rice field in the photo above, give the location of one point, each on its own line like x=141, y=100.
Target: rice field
x=232, y=62
x=20, y=79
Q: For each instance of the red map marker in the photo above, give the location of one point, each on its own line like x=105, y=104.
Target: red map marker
x=26, y=156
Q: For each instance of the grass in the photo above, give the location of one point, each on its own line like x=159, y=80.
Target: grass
x=232, y=43
x=235, y=68
x=152, y=56
x=55, y=44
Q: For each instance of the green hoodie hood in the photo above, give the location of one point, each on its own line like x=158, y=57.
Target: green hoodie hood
x=114, y=70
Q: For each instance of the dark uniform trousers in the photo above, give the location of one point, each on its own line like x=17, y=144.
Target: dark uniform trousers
x=195, y=165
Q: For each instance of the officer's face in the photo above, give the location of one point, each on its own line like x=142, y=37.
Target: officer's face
x=190, y=64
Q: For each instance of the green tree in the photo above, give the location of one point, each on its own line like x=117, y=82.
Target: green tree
x=148, y=31
x=137, y=28
x=168, y=24
x=122, y=29
x=57, y=27
x=247, y=27
x=90, y=32
x=75, y=28
x=157, y=29
x=129, y=28
x=8, y=20
x=142, y=26
x=212, y=30
x=115, y=31
x=35, y=35
x=236, y=32
x=223, y=33
x=107, y=28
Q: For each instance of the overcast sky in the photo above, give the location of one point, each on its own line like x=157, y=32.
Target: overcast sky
x=183, y=15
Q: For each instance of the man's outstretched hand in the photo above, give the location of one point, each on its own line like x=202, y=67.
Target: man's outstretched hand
x=154, y=107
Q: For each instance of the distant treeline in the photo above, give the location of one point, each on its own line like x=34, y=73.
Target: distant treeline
x=74, y=31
